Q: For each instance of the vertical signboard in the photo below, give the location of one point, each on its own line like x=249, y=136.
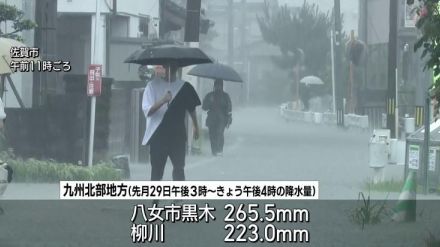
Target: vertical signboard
x=413, y=157
x=432, y=159
x=94, y=80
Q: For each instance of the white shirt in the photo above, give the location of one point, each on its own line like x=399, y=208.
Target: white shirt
x=153, y=92
x=2, y=110
x=3, y=179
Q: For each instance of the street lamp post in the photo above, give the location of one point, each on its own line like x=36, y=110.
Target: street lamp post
x=333, y=70
x=337, y=64
x=392, y=66
x=426, y=143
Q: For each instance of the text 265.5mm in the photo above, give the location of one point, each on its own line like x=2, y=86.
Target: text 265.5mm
x=252, y=213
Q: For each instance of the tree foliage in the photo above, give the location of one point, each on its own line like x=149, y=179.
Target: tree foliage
x=305, y=30
x=429, y=23
x=9, y=13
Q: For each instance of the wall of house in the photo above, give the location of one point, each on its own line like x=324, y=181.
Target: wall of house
x=124, y=25
x=131, y=9
x=378, y=19
x=133, y=27
x=141, y=7
x=120, y=49
x=82, y=6
x=22, y=81
x=119, y=26
x=74, y=42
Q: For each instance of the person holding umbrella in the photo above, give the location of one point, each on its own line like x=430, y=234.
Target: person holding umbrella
x=309, y=88
x=217, y=103
x=219, y=107
x=165, y=103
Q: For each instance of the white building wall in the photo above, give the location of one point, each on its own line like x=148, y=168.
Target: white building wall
x=83, y=6
x=120, y=26
x=378, y=27
x=133, y=27
x=139, y=7
x=127, y=25
x=124, y=7
x=22, y=81
x=130, y=8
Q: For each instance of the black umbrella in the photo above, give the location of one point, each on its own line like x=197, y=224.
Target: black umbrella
x=168, y=55
x=215, y=71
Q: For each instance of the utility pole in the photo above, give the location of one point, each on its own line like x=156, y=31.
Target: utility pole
x=364, y=36
x=332, y=51
x=162, y=5
x=392, y=66
x=243, y=55
x=230, y=14
x=192, y=39
x=96, y=45
x=338, y=64
x=426, y=141
x=235, y=94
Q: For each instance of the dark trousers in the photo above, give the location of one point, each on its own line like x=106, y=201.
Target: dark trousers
x=217, y=138
x=160, y=150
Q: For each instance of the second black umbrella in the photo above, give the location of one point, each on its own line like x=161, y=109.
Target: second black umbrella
x=215, y=71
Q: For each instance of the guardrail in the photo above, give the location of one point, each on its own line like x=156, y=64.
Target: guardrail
x=327, y=118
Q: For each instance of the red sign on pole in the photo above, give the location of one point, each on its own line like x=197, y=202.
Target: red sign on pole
x=94, y=80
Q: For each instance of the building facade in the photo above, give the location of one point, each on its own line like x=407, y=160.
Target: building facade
x=412, y=80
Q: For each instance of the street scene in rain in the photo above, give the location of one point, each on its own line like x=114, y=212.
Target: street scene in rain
x=219, y=123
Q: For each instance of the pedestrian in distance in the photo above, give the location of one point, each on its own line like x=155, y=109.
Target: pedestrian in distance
x=219, y=107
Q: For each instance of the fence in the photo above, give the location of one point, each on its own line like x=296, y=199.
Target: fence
x=351, y=120
x=377, y=114
x=372, y=117
x=59, y=129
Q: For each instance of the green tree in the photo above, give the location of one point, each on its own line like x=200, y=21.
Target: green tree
x=428, y=23
x=9, y=13
x=302, y=35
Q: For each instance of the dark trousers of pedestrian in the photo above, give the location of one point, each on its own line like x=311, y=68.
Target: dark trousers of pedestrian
x=217, y=138
x=160, y=150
